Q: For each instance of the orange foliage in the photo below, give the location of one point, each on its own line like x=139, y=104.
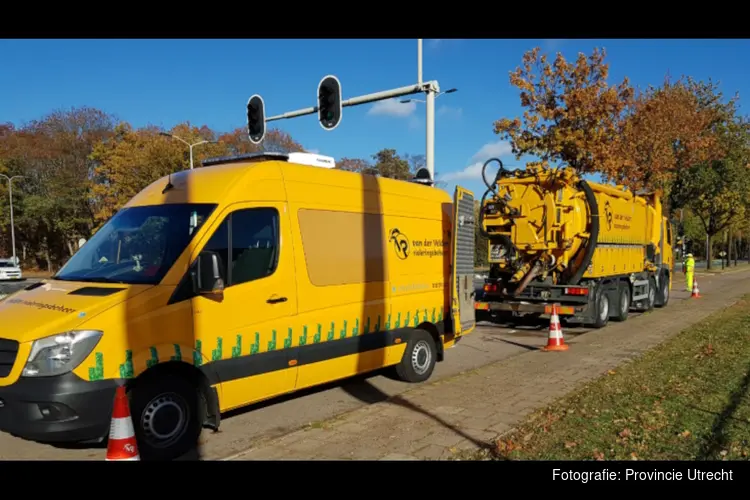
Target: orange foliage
x=275, y=140
x=353, y=165
x=571, y=114
x=666, y=129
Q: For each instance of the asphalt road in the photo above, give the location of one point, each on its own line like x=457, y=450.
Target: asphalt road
x=243, y=429
x=8, y=287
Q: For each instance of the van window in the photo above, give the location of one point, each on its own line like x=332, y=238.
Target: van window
x=253, y=236
x=138, y=245
x=342, y=248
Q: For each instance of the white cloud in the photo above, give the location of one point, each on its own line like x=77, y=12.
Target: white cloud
x=436, y=43
x=450, y=112
x=474, y=171
x=393, y=107
x=471, y=172
x=492, y=150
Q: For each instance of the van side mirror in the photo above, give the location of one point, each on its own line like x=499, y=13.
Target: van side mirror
x=208, y=279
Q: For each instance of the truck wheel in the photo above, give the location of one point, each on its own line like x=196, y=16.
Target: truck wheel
x=623, y=302
x=419, y=358
x=601, y=309
x=166, y=416
x=651, y=300
x=663, y=297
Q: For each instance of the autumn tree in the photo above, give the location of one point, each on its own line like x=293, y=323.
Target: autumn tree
x=130, y=161
x=386, y=163
x=52, y=207
x=667, y=129
x=277, y=141
x=81, y=165
x=717, y=189
x=353, y=165
x=571, y=112
x=389, y=164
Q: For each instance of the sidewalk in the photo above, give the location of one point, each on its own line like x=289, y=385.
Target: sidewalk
x=470, y=410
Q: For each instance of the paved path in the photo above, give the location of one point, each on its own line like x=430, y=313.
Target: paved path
x=467, y=411
x=241, y=430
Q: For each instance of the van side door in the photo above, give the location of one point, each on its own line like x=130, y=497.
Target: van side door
x=243, y=328
x=462, y=263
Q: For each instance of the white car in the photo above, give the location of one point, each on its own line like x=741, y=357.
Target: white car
x=9, y=271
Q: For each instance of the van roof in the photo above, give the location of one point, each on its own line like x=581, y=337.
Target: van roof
x=219, y=177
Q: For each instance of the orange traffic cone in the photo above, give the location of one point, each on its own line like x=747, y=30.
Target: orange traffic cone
x=555, y=340
x=122, y=444
x=695, y=293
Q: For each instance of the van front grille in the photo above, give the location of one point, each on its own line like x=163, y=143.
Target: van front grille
x=8, y=353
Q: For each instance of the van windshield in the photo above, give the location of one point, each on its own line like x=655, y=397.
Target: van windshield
x=138, y=245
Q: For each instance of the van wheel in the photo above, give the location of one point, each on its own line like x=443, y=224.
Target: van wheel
x=166, y=416
x=419, y=358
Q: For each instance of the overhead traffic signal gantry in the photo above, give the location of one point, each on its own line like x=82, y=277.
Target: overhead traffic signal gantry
x=330, y=104
x=256, y=119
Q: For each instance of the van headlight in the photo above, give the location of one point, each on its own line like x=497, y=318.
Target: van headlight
x=61, y=353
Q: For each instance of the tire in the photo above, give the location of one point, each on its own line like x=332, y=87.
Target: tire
x=419, y=358
x=651, y=300
x=601, y=309
x=167, y=416
x=623, y=302
x=663, y=297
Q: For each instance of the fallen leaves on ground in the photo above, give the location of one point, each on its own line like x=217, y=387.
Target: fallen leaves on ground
x=665, y=405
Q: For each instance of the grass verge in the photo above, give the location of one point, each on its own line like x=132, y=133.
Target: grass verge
x=686, y=399
x=739, y=267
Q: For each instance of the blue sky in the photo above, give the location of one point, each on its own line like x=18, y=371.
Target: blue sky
x=164, y=82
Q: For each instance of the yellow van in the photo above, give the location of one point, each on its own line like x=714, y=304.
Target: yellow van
x=215, y=288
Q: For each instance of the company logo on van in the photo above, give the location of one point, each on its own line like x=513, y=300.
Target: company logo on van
x=400, y=243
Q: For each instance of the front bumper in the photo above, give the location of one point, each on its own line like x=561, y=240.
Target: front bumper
x=64, y=408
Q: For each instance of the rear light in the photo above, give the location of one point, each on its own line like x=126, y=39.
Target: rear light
x=576, y=291
x=490, y=287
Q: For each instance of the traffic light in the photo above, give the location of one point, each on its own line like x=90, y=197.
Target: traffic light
x=329, y=102
x=256, y=119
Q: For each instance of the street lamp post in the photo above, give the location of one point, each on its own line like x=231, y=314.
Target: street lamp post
x=165, y=134
x=12, y=229
x=430, y=132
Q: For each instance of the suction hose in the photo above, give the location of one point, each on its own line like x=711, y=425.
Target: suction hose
x=501, y=172
x=594, y=232
x=490, y=189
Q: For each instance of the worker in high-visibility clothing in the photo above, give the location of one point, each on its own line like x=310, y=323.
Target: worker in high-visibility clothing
x=688, y=267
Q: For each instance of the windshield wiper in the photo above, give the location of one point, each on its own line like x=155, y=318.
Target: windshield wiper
x=102, y=280
x=93, y=279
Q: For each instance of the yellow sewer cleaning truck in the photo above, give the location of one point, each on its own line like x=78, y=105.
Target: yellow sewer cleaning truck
x=594, y=250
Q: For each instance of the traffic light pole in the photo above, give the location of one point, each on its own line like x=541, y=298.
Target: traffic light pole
x=429, y=154
x=430, y=88
x=365, y=99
